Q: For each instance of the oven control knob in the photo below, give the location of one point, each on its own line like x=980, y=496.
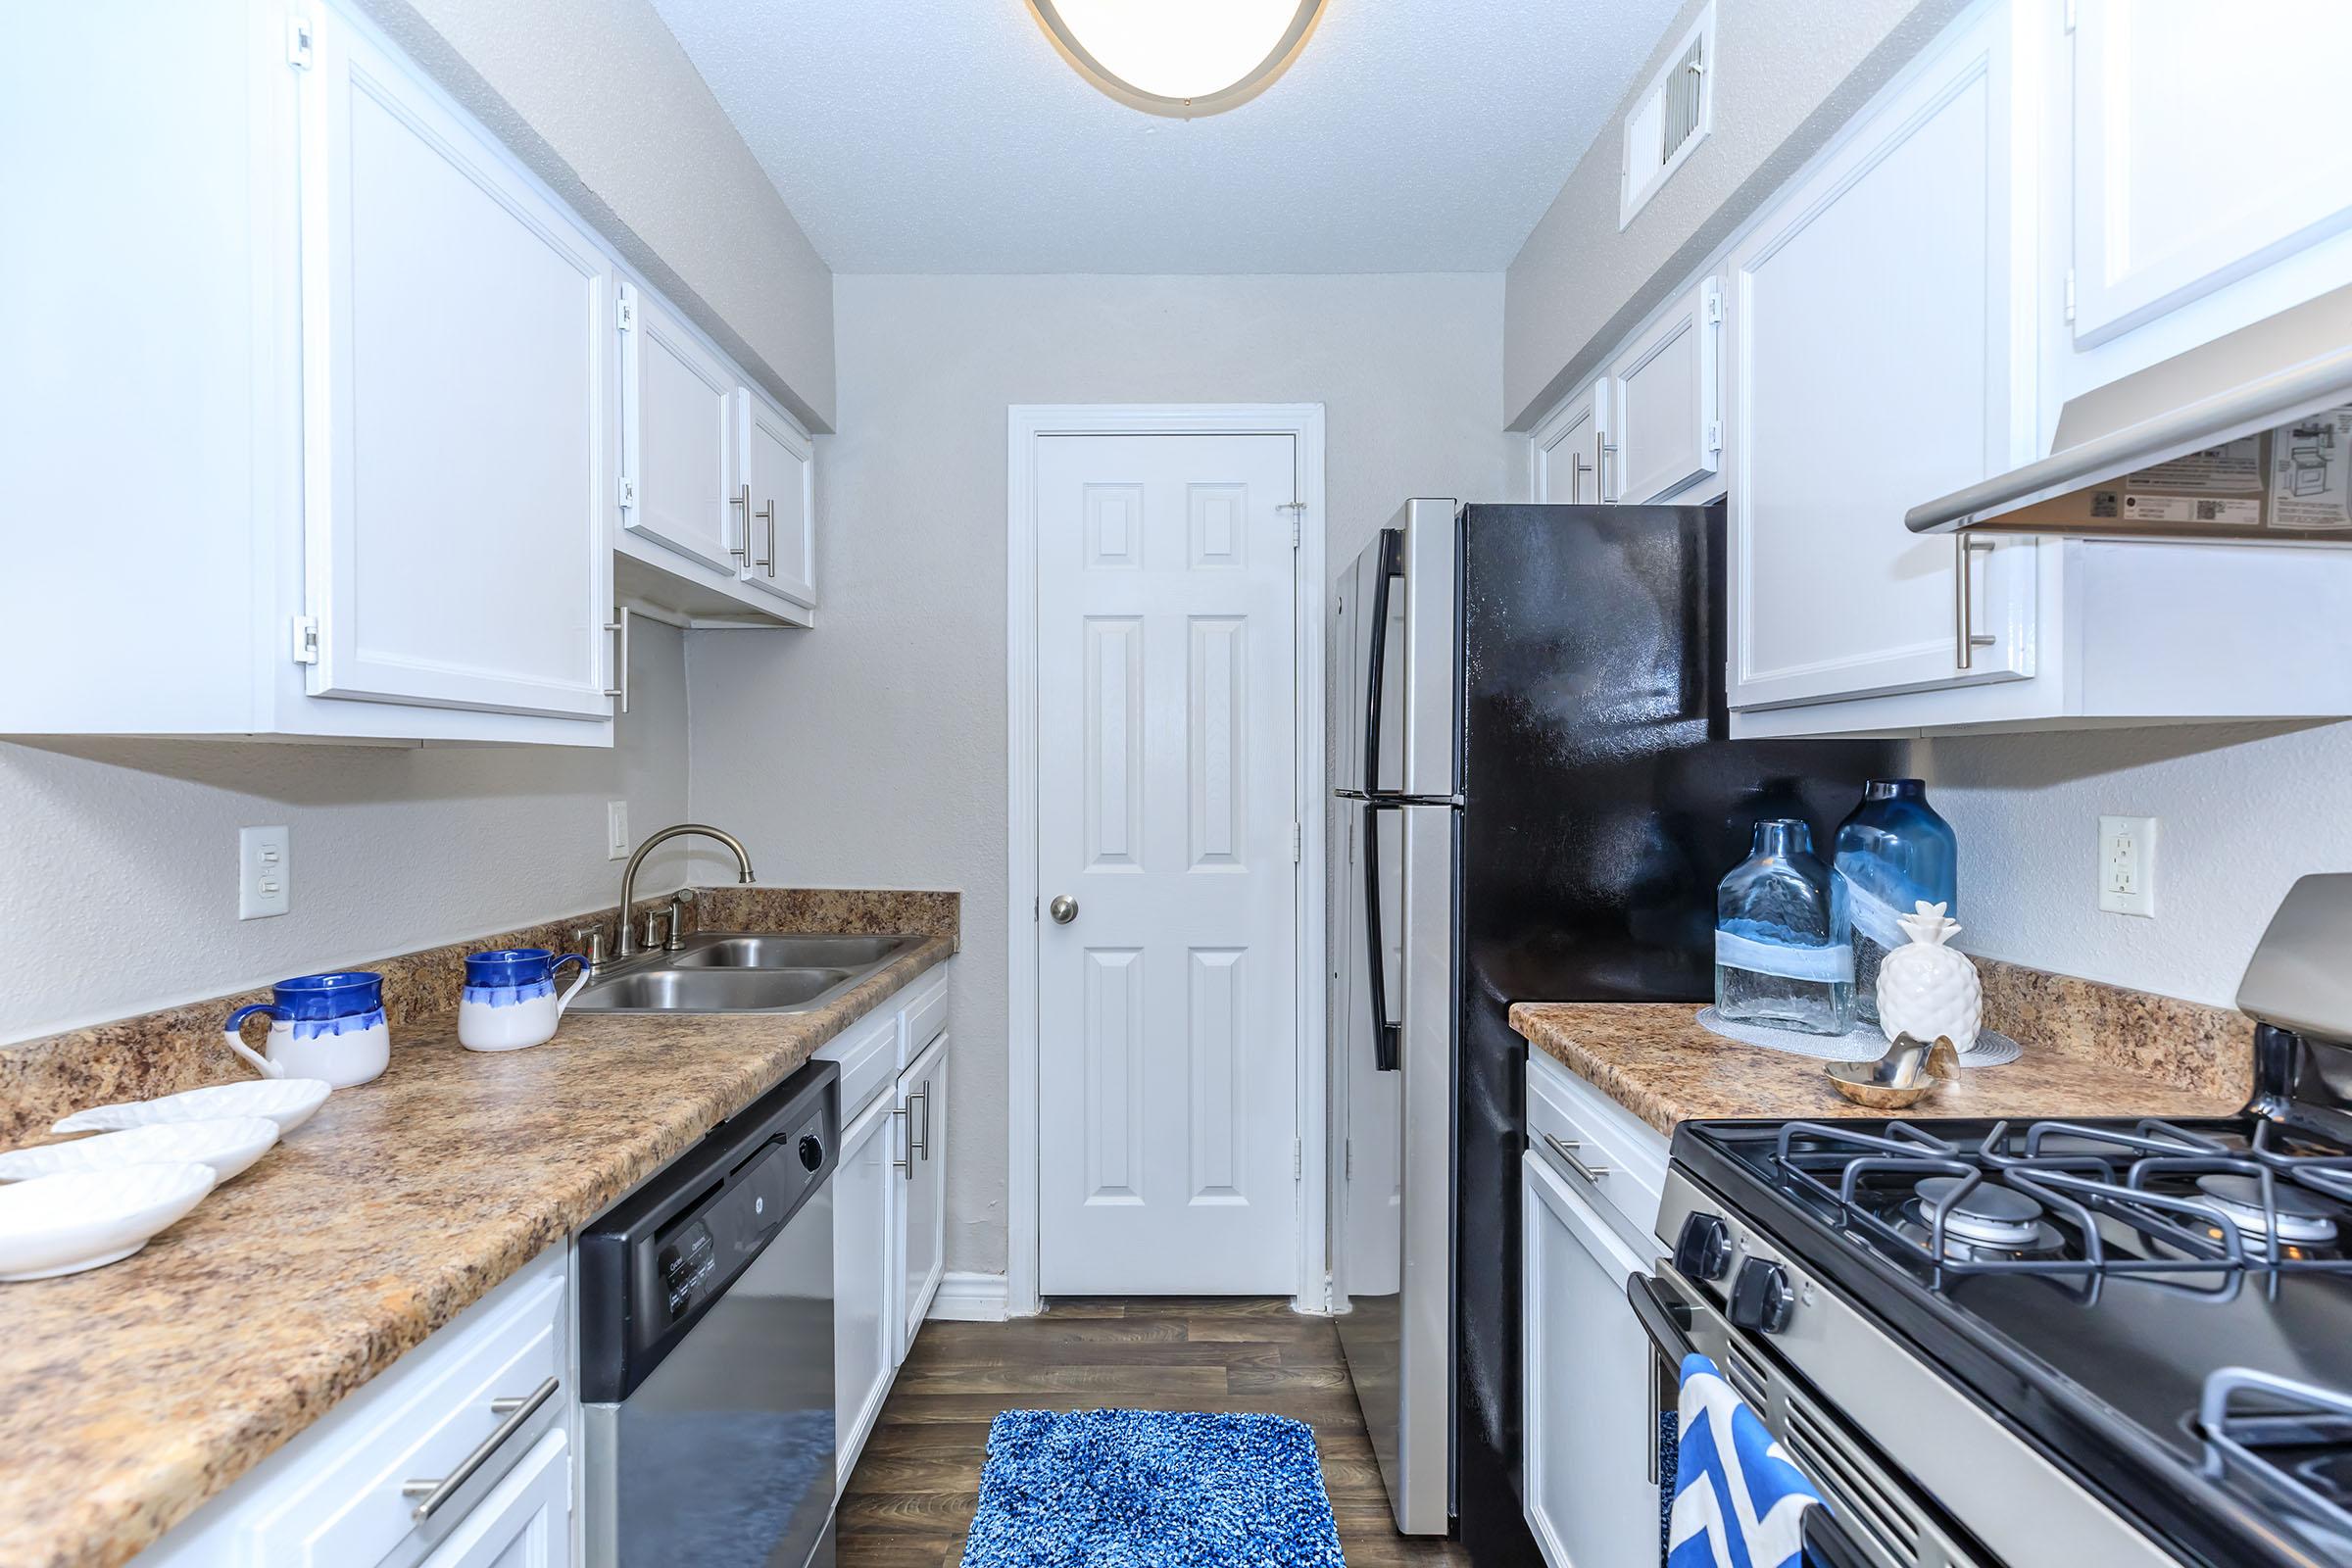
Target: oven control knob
x=1761, y=1298
x=813, y=1153
x=1704, y=1250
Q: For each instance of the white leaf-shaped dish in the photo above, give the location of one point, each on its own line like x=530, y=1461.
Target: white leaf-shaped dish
x=288, y=1101
x=64, y=1224
x=227, y=1144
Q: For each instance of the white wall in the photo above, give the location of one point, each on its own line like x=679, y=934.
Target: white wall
x=120, y=856
x=2244, y=811
x=871, y=752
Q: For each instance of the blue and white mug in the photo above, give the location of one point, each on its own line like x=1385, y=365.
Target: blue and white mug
x=510, y=998
x=328, y=1026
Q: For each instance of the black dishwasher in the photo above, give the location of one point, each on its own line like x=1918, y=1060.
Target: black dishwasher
x=707, y=1346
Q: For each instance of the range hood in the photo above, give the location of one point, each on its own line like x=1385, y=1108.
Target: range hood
x=2246, y=439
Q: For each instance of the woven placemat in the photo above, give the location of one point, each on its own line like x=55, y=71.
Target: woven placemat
x=1862, y=1043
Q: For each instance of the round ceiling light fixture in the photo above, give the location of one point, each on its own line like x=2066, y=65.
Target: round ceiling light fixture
x=1185, y=57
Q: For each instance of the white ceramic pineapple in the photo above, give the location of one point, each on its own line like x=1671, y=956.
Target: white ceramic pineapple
x=1927, y=989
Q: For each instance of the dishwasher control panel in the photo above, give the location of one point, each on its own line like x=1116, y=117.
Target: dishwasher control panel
x=656, y=1260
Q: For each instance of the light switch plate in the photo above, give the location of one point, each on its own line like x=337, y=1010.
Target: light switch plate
x=616, y=830
x=265, y=872
x=2127, y=865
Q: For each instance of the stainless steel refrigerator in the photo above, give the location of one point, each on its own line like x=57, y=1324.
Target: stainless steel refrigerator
x=1536, y=799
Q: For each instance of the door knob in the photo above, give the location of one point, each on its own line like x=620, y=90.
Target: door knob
x=1063, y=909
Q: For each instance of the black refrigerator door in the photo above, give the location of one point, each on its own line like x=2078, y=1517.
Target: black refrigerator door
x=1602, y=803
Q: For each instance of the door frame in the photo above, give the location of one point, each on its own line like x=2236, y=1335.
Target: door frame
x=1025, y=425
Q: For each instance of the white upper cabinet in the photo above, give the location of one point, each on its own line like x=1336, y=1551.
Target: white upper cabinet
x=2208, y=144
x=779, y=489
x=1664, y=434
x=455, y=333
x=679, y=447
x=1880, y=354
x=1565, y=450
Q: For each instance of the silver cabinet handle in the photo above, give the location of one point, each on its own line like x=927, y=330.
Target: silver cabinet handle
x=516, y=1413
x=1964, y=621
x=743, y=499
x=768, y=514
x=1567, y=1151
x=918, y=1146
x=747, y=516
x=1576, y=477
x=907, y=1164
x=1063, y=909
x=621, y=656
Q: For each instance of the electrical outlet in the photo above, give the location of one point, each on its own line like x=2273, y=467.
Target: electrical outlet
x=616, y=830
x=265, y=872
x=2127, y=865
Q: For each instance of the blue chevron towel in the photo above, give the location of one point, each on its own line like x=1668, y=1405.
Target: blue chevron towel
x=1738, y=1501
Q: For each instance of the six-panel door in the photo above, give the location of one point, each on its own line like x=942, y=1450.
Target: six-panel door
x=1166, y=812
x=1590, y=1430
x=680, y=438
x=1875, y=364
x=456, y=329
x=779, y=476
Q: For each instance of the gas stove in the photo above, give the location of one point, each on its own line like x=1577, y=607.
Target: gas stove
x=2065, y=1341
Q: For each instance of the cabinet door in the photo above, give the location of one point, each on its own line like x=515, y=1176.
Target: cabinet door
x=865, y=1261
x=923, y=1114
x=2208, y=144
x=456, y=329
x=780, y=468
x=1590, y=1427
x=1566, y=449
x=1875, y=332
x=526, y=1522
x=680, y=438
x=1663, y=432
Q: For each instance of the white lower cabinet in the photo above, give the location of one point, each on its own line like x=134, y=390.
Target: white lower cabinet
x=339, y=1495
x=923, y=1106
x=865, y=1319
x=524, y=1523
x=1589, y=1422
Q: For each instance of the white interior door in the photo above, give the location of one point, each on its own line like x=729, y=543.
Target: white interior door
x=455, y=326
x=1167, y=766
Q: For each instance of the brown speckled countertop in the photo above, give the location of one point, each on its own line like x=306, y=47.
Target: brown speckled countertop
x=131, y=1393
x=1655, y=1060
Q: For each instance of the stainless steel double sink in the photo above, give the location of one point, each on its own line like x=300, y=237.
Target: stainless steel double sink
x=740, y=972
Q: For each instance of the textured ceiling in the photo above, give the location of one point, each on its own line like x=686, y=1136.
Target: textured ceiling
x=948, y=137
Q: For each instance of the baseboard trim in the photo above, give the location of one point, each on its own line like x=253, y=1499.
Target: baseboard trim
x=966, y=1298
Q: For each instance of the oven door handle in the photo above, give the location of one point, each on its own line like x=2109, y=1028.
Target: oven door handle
x=1663, y=1316
x=1666, y=1319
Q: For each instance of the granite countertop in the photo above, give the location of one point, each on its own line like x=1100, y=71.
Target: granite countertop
x=1655, y=1060
x=131, y=1394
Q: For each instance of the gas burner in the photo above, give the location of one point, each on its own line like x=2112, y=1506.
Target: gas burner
x=2302, y=1219
x=1986, y=1215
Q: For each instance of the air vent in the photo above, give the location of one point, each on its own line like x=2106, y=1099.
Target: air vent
x=1851, y=1484
x=1670, y=119
x=1747, y=1379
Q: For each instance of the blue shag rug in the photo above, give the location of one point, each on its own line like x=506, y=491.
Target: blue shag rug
x=1151, y=1489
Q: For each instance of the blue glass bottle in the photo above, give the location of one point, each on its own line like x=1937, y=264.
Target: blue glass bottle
x=1891, y=851
x=1782, y=956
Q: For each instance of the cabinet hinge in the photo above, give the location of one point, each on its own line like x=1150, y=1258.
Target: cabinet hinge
x=1297, y=842
x=298, y=41
x=1298, y=1159
x=1714, y=300
x=628, y=493
x=2070, y=16
x=624, y=313
x=2070, y=293
x=306, y=638
x=1714, y=435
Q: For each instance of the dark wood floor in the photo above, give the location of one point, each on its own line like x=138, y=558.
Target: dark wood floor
x=910, y=1500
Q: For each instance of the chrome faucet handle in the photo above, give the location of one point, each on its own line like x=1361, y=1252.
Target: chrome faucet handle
x=678, y=902
x=592, y=937
x=657, y=930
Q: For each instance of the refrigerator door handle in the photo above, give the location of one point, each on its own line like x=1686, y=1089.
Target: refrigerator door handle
x=1391, y=568
x=1386, y=1037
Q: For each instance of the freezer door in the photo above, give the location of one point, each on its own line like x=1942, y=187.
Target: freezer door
x=1428, y=684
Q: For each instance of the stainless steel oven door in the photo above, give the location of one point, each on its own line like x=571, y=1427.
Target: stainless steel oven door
x=1873, y=1520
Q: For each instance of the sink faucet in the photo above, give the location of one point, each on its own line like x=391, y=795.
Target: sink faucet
x=627, y=943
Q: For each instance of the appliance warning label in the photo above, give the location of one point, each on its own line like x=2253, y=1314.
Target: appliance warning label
x=2219, y=485
x=2311, y=472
